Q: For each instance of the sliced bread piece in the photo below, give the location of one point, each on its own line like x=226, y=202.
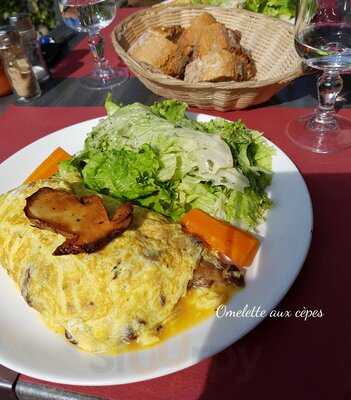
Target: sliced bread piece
x=171, y=33
x=214, y=66
x=213, y=38
x=191, y=35
x=153, y=49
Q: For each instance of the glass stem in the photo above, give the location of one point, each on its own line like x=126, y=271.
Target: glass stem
x=329, y=85
x=96, y=45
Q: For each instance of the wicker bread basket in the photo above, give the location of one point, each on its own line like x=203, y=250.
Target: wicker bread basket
x=270, y=41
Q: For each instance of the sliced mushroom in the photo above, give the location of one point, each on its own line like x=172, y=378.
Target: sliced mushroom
x=25, y=287
x=233, y=275
x=83, y=221
x=70, y=338
x=129, y=335
x=162, y=299
x=207, y=273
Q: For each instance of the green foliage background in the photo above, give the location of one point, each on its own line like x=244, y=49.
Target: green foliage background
x=42, y=11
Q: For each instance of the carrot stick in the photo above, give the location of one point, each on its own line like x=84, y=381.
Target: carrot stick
x=49, y=166
x=239, y=246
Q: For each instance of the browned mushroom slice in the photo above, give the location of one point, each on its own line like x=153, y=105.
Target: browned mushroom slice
x=83, y=221
x=25, y=286
x=205, y=275
x=70, y=338
x=234, y=276
x=129, y=335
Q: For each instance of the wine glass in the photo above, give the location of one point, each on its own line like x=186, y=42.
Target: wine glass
x=323, y=40
x=91, y=16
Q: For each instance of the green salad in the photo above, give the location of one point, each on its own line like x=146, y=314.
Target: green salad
x=214, y=3
x=284, y=9
x=161, y=159
x=275, y=8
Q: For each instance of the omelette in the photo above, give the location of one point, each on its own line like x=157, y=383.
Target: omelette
x=123, y=293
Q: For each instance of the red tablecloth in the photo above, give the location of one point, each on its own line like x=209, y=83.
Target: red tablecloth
x=281, y=359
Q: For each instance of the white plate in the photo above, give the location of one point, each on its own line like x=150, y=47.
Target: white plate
x=28, y=347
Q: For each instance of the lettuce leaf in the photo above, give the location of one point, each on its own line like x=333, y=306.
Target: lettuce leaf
x=274, y=8
x=123, y=173
x=171, y=110
x=245, y=208
x=110, y=106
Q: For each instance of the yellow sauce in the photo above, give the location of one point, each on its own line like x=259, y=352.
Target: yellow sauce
x=187, y=313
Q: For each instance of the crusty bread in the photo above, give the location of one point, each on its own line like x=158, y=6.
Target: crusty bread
x=171, y=33
x=153, y=49
x=215, y=66
x=234, y=37
x=244, y=66
x=191, y=35
x=220, y=65
x=177, y=62
x=213, y=38
x=205, y=51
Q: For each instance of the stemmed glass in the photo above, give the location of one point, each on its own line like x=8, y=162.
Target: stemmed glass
x=91, y=16
x=323, y=39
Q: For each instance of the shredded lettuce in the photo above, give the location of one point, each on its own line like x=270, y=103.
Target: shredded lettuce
x=251, y=154
x=161, y=159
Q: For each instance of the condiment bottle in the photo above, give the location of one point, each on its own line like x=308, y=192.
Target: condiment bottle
x=22, y=23
x=17, y=67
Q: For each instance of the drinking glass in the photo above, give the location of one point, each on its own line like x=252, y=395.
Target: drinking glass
x=91, y=16
x=323, y=40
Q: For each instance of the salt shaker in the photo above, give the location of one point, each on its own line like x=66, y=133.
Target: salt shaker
x=18, y=67
x=22, y=23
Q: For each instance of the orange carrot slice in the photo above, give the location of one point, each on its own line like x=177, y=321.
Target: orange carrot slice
x=49, y=166
x=239, y=246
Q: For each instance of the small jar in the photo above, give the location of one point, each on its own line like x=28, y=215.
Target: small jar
x=17, y=67
x=22, y=23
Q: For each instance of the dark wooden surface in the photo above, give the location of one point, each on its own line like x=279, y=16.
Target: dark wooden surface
x=68, y=92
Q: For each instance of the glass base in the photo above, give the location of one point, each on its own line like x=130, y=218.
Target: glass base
x=309, y=134
x=25, y=100
x=105, y=79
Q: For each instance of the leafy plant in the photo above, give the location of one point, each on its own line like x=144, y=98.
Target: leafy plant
x=42, y=11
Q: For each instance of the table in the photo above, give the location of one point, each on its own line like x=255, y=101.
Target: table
x=281, y=358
